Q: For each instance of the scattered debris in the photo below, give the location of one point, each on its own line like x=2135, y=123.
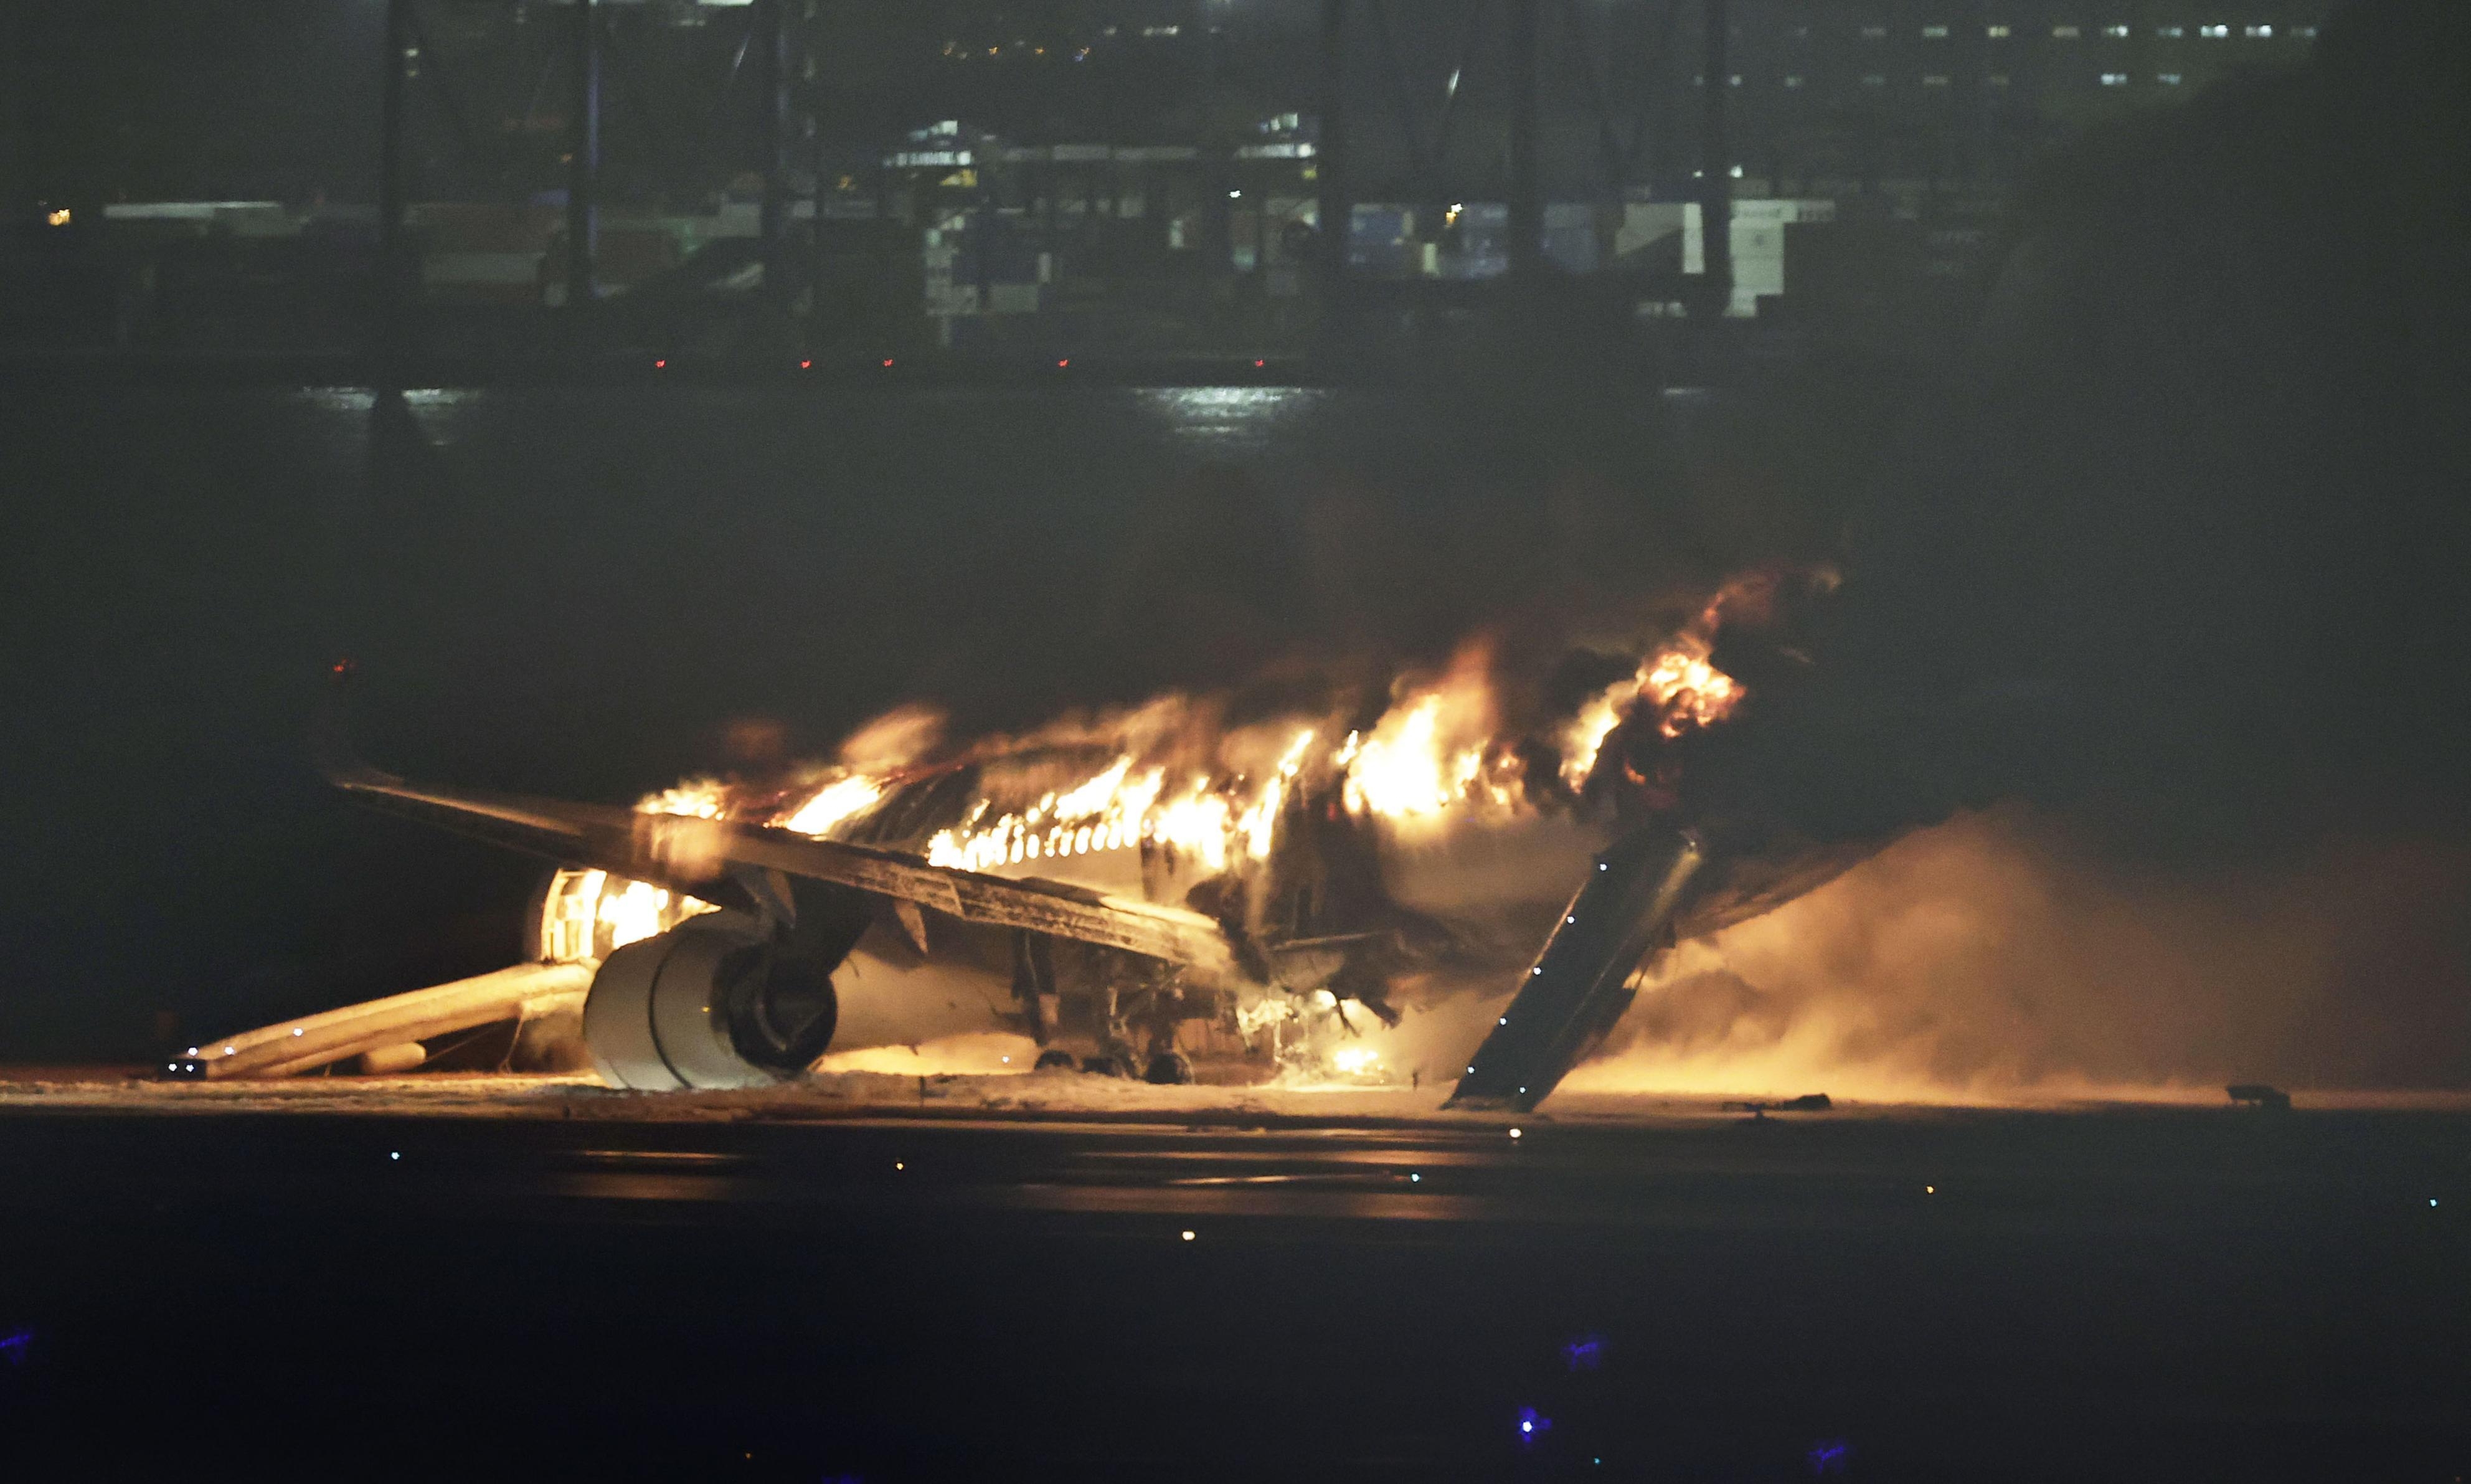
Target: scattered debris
x=1807, y=1103
x=2256, y=1094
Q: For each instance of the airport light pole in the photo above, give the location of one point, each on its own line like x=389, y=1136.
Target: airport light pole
x=1715, y=163
x=583, y=161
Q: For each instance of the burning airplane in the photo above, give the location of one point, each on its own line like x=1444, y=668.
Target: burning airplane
x=1158, y=893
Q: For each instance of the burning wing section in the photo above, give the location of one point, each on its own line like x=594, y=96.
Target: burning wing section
x=724, y=954
x=749, y=867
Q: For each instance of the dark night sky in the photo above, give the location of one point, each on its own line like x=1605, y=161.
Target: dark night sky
x=238, y=98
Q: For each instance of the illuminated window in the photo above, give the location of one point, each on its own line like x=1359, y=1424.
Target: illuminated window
x=2066, y=33
x=1935, y=33
x=2258, y=33
x=2171, y=32
x=2118, y=32
x=1873, y=80
x=2167, y=79
x=1934, y=79
x=2114, y=79
x=2309, y=32
x=2214, y=32
x=1875, y=33
x=1735, y=81
x=1801, y=32
x=1997, y=80
x=1792, y=80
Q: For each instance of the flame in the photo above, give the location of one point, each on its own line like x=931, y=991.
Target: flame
x=1688, y=692
x=587, y=915
x=1171, y=784
x=1259, y=825
x=1355, y=1060
x=1112, y=810
x=1584, y=736
x=698, y=798
x=1206, y=817
x=1429, y=753
x=634, y=914
x=1398, y=770
x=833, y=802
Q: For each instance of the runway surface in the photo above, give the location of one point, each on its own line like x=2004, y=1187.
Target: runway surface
x=602, y=1286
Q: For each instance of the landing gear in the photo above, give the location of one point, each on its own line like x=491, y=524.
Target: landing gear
x=1054, y=1058
x=1168, y=1068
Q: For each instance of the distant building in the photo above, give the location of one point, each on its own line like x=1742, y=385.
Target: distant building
x=1830, y=94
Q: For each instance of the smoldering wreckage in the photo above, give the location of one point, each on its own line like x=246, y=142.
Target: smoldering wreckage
x=1182, y=889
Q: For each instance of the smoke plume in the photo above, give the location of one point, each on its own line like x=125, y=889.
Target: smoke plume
x=2002, y=956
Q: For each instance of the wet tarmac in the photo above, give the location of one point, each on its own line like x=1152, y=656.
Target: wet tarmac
x=602, y=1286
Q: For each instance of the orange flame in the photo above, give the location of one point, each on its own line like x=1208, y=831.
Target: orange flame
x=1437, y=753
x=1687, y=690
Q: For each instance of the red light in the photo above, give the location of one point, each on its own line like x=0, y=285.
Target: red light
x=1067, y=361
x=806, y=365
x=1258, y=364
x=660, y=365
x=887, y=362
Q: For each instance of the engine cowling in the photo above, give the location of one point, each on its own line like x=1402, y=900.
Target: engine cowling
x=711, y=1003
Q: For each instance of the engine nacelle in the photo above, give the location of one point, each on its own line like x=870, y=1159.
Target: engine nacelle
x=711, y=1003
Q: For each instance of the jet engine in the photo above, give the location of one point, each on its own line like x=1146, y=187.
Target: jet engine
x=713, y=1003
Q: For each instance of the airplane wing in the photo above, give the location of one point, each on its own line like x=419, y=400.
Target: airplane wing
x=727, y=861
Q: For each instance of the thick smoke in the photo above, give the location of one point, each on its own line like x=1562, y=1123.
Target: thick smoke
x=1999, y=956
x=2202, y=480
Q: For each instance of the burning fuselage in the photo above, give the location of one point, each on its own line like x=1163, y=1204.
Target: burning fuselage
x=1348, y=860
x=1183, y=881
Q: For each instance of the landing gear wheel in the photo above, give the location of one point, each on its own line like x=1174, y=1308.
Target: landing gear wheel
x=1105, y=1065
x=1168, y=1068
x=1053, y=1058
